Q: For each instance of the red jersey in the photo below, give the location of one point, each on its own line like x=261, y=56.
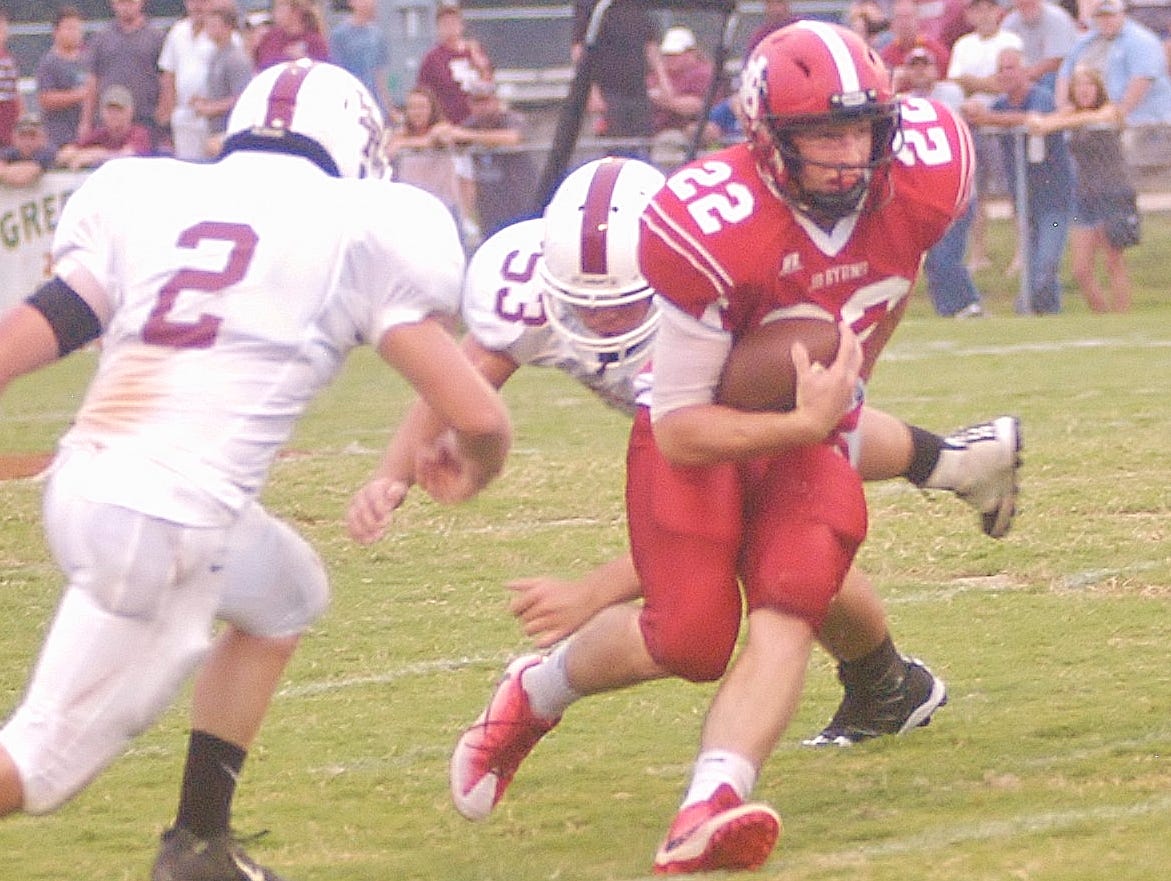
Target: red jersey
x=137, y=138
x=450, y=74
x=717, y=235
x=10, y=102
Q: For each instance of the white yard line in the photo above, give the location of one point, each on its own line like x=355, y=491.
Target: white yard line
x=422, y=668
x=950, y=350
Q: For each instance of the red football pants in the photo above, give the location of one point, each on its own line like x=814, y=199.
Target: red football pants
x=788, y=526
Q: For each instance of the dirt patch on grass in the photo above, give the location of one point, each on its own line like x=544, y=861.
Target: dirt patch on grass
x=15, y=466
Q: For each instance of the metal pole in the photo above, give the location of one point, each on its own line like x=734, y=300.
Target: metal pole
x=570, y=118
x=718, y=62
x=572, y=111
x=1024, y=297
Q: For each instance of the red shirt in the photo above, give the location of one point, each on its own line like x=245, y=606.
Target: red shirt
x=449, y=73
x=137, y=138
x=278, y=45
x=9, y=97
x=692, y=80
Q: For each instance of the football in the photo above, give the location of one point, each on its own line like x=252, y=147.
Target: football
x=759, y=373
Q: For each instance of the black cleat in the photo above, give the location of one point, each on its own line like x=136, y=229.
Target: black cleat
x=866, y=716
x=184, y=857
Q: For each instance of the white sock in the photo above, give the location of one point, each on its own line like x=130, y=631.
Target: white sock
x=715, y=767
x=547, y=685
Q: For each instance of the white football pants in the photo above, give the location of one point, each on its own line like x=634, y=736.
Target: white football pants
x=135, y=619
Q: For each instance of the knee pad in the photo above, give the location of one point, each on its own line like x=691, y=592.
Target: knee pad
x=684, y=526
x=694, y=647
x=802, y=573
x=102, y=678
x=276, y=584
x=807, y=519
x=133, y=623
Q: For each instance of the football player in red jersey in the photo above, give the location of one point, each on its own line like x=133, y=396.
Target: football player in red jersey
x=825, y=210
x=844, y=226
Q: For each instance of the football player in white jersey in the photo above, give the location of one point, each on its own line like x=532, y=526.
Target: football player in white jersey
x=716, y=829
x=223, y=306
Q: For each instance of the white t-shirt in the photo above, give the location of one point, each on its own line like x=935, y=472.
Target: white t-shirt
x=973, y=55
x=188, y=56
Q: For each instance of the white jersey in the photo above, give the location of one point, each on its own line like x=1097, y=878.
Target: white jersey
x=974, y=55
x=236, y=290
x=504, y=312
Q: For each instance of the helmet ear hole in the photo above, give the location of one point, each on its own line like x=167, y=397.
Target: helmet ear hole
x=590, y=252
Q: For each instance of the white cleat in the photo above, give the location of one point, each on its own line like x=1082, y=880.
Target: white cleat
x=992, y=457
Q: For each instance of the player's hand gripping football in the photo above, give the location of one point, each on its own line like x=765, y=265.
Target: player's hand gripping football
x=372, y=509
x=825, y=394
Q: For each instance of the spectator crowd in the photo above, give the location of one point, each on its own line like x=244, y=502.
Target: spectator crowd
x=134, y=88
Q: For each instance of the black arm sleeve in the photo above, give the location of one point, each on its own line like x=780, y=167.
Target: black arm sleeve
x=73, y=321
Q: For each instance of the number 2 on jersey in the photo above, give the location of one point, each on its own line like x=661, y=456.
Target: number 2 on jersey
x=159, y=330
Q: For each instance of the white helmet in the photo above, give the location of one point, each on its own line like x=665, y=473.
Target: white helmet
x=590, y=253
x=311, y=109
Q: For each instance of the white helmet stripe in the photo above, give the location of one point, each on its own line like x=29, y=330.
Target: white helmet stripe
x=838, y=51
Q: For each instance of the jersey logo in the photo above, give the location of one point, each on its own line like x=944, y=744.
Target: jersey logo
x=790, y=263
x=847, y=272
x=605, y=359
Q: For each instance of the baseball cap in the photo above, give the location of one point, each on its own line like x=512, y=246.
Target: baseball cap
x=117, y=96
x=921, y=53
x=1109, y=7
x=677, y=40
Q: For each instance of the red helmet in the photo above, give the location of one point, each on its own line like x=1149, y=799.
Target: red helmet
x=806, y=74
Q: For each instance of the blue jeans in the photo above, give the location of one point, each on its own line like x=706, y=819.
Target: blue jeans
x=1046, y=246
x=948, y=281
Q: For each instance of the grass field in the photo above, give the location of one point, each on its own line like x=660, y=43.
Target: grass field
x=1052, y=760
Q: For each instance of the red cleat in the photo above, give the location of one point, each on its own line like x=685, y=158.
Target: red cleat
x=489, y=752
x=720, y=833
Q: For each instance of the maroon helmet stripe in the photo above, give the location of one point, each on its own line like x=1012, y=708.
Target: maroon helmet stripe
x=596, y=222
x=282, y=99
